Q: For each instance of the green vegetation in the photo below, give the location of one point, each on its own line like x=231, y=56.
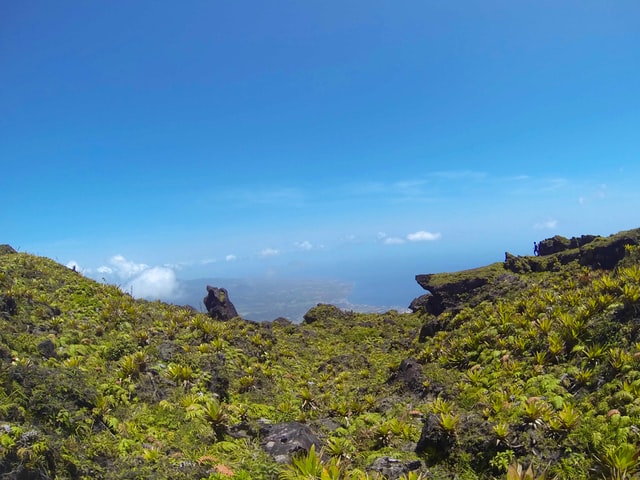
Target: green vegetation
x=95, y=384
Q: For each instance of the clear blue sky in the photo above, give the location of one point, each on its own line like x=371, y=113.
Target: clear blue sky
x=334, y=139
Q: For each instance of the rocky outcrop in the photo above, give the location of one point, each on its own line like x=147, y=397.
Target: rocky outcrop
x=453, y=291
x=450, y=292
x=557, y=244
x=284, y=440
x=218, y=304
x=588, y=250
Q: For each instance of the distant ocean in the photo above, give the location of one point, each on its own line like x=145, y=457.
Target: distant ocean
x=267, y=299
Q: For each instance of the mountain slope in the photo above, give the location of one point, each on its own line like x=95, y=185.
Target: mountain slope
x=533, y=364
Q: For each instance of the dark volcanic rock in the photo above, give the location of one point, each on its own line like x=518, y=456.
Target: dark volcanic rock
x=6, y=249
x=420, y=303
x=452, y=291
x=47, y=348
x=557, y=244
x=392, y=468
x=284, y=440
x=588, y=250
x=410, y=376
x=218, y=304
x=8, y=305
x=433, y=439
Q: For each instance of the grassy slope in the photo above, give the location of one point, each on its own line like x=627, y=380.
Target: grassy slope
x=95, y=384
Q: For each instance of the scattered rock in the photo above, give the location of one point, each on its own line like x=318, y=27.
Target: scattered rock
x=410, y=376
x=47, y=348
x=218, y=304
x=392, y=468
x=284, y=440
x=8, y=305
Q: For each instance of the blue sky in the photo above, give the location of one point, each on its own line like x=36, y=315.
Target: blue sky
x=355, y=140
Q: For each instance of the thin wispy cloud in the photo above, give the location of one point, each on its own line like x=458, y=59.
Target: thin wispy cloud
x=269, y=252
x=393, y=241
x=546, y=225
x=459, y=175
x=231, y=258
x=423, y=236
x=420, y=236
x=304, y=245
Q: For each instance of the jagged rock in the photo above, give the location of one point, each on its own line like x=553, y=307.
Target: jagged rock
x=419, y=304
x=284, y=440
x=218, y=304
x=392, y=468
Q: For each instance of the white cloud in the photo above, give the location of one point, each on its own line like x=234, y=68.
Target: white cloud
x=305, y=245
x=122, y=267
x=546, y=225
x=142, y=280
x=423, y=236
x=153, y=283
x=393, y=241
x=269, y=252
x=230, y=258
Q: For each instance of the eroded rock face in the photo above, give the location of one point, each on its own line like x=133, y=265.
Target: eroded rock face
x=446, y=296
x=218, y=304
x=284, y=440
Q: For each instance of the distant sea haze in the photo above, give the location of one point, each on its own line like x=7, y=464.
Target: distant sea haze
x=267, y=299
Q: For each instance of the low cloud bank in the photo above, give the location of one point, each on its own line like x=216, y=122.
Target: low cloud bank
x=142, y=280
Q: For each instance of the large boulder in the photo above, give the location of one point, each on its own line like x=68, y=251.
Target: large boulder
x=284, y=440
x=218, y=304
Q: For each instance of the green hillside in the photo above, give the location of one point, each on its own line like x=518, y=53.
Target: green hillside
x=531, y=361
